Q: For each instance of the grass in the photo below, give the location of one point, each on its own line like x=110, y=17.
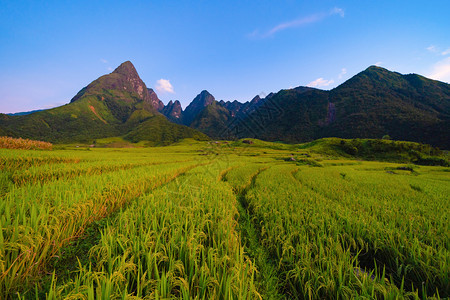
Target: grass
x=226, y=220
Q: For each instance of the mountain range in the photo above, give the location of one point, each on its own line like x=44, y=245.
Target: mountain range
x=374, y=103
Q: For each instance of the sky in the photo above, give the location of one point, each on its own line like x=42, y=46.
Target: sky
x=49, y=50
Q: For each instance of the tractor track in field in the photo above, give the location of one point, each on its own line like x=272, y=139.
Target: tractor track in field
x=267, y=276
x=77, y=247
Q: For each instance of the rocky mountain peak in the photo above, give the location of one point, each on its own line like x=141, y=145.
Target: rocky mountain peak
x=154, y=100
x=255, y=99
x=173, y=111
x=204, y=98
x=201, y=101
x=126, y=69
x=127, y=87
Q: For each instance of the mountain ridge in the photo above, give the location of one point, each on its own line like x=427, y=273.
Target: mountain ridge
x=115, y=104
x=371, y=104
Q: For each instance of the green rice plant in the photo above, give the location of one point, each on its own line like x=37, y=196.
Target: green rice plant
x=38, y=219
x=180, y=241
x=299, y=229
x=398, y=225
x=174, y=222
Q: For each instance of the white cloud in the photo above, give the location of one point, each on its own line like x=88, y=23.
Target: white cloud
x=338, y=11
x=110, y=69
x=446, y=52
x=343, y=72
x=378, y=63
x=441, y=70
x=432, y=48
x=103, y=60
x=164, y=86
x=299, y=22
x=320, y=82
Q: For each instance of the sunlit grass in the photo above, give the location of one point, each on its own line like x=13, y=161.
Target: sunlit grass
x=19, y=143
x=220, y=221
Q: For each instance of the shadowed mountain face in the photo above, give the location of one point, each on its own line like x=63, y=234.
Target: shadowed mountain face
x=196, y=106
x=116, y=104
x=154, y=100
x=377, y=102
x=372, y=104
x=173, y=111
x=213, y=120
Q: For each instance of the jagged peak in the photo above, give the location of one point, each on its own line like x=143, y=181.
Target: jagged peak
x=127, y=69
x=205, y=92
x=255, y=99
x=205, y=98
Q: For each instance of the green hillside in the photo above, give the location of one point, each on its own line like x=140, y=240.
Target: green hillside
x=82, y=121
x=117, y=104
x=212, y=120
x=374, y=103
x=160, y=131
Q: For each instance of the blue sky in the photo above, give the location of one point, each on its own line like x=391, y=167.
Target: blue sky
x=49, y=50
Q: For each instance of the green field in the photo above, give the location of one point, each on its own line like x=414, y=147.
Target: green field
x=227, y=220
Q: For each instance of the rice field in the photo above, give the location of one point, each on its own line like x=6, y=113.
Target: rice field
x=19, y=143
x=207, y=221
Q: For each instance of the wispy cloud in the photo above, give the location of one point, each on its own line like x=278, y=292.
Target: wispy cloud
x=343, y=72
x=298, y=23
x=164, y=86
x=441, y=70
x=437, y=50
x=320, y=82
x=446, y=52
x=432, y=48
x=378, y=63
x=103, y=60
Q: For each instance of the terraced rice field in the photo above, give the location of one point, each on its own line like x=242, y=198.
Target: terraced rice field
x=209, y=221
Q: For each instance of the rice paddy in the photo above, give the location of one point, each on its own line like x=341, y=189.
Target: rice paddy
x=215, y=221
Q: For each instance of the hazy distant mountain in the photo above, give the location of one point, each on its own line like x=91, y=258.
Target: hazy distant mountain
x=23, y=113
x=116, y=104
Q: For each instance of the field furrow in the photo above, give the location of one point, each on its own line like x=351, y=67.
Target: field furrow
x=179, y=240
x=368, y=217
x=242, y=180
x=215, y=221
x=30, y=243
